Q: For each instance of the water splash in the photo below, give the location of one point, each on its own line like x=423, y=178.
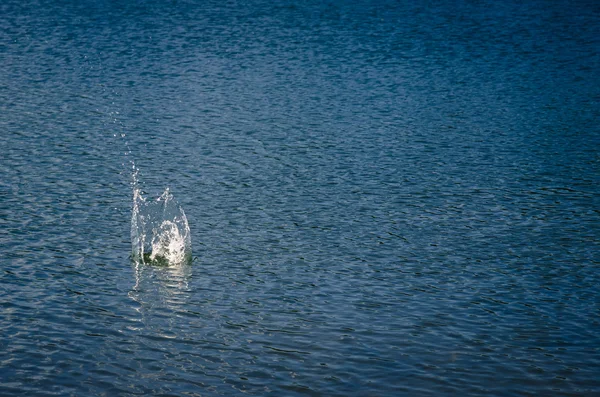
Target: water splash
x=160, y=234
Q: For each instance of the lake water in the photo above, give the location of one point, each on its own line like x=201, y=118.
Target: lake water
x=384, y=198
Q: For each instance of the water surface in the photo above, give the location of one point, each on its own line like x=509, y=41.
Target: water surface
x=384, y=198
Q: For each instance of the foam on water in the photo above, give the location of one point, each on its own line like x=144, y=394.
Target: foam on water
x=160, y=233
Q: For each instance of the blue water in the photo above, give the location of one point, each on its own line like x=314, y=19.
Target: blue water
x=385, y=198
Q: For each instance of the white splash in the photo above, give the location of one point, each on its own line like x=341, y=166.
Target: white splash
x=160, y=233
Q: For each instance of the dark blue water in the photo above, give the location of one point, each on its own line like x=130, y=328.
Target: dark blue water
x=385, y=198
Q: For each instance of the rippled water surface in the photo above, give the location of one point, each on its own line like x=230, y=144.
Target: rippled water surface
x=384, y=198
